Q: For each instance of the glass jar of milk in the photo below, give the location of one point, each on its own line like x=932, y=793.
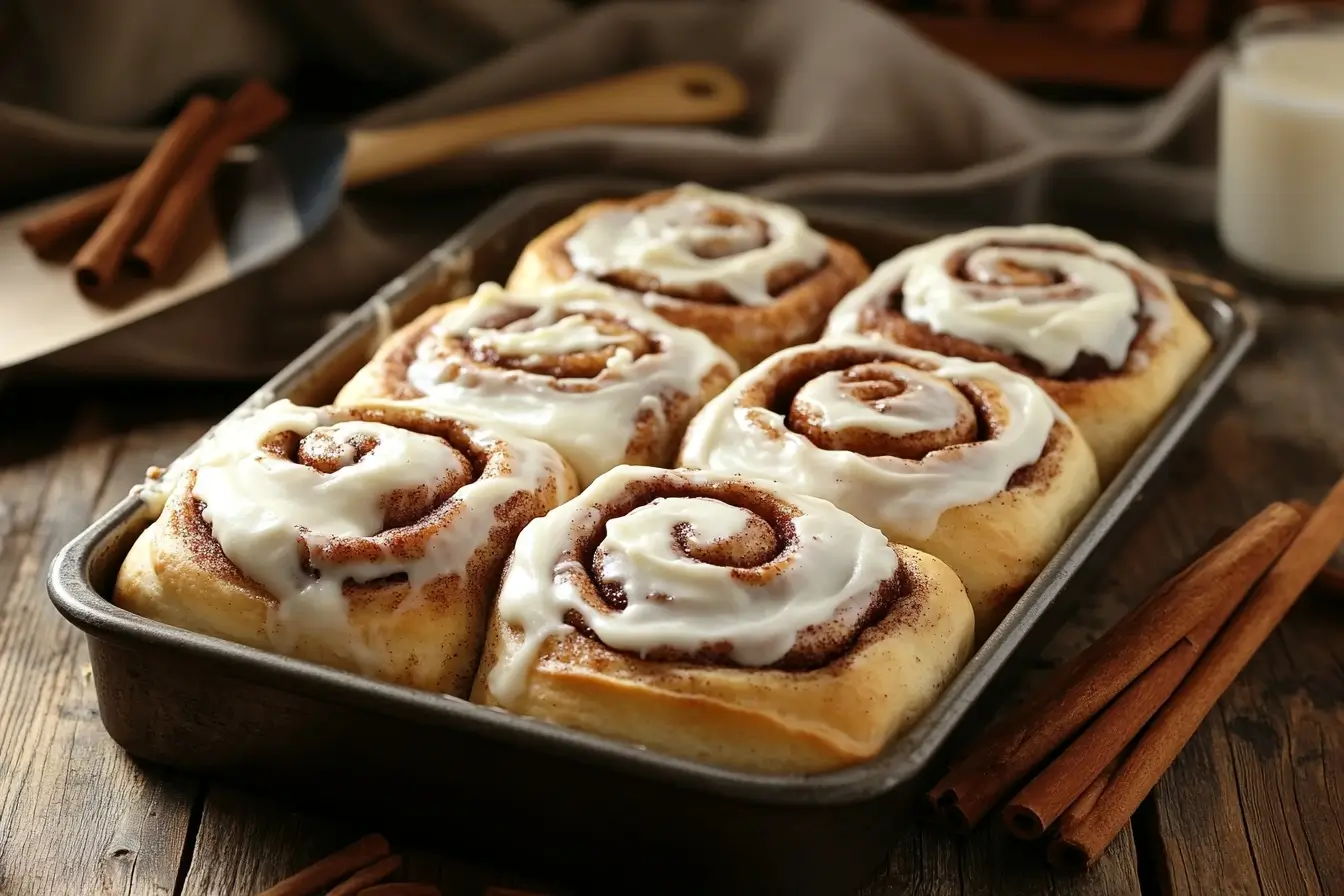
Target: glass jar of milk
x=1281, y=145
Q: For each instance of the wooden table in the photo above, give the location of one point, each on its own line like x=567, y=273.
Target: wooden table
x=1254, y=804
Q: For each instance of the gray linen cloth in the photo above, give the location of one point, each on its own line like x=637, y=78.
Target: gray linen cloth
x=848, y=105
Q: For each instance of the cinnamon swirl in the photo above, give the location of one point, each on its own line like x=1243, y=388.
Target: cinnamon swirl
x=722, y=619
x=750, y=274
x=370, y=540
x=967, y=461
x=1105, y=333
x=596, y=376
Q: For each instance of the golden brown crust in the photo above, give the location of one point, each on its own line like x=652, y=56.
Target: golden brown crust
x=425, y=634
x=998, y=547
x=836, y=698
x=762, y=720
x=749, y=333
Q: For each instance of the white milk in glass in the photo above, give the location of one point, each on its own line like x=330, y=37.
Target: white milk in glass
x=1281, y=153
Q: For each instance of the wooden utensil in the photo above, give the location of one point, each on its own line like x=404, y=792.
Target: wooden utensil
x=294, y=184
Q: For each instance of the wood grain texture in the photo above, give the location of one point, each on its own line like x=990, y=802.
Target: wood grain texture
x=927, y=862
x=241, y=847
x=248, y=842
x=76, y=814
x=1254, y=803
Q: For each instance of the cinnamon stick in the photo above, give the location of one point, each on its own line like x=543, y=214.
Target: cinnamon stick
x=327, y=871
x=253, y=109
x=1065, y=779
x=1080, y=689
x=1331, y=579
x=1088, y=798
x=100, y=259
x=366, y=877
x=1083, y=840
x=1306, y=508
x=408, y=889
x=80, y=214
x=77, y=216
x=1029, y=819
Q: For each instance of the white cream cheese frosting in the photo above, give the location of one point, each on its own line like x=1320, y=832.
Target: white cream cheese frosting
x=895, y=494
x=273, y=517
x=590, y=420
x=662, y=241
x=927, y=404
x=1087, y=303
x=570, y=334
x=827, y=571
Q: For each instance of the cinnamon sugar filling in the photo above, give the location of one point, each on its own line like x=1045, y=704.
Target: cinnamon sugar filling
x=873, y=379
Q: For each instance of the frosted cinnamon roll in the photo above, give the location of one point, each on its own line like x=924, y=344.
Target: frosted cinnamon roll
x=750, y=274
x=1101, y=330
x=964, y=460
x=596, y=376
x=369, y=540
x=724, y=620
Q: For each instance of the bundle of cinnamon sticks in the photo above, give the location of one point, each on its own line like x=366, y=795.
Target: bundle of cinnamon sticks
x=1083, y=752
x=133, y=226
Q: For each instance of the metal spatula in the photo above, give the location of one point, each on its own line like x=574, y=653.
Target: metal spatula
x=295, y=183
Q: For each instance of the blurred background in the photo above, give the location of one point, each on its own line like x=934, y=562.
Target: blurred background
x=1084, y=48
x=942, y=114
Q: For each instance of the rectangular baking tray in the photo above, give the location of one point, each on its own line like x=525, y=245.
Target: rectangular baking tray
x=571, y=808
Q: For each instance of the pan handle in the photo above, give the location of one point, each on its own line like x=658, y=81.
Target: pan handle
x=686, y=93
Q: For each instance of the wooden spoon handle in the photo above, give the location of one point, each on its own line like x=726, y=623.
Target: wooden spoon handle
x=688, y=93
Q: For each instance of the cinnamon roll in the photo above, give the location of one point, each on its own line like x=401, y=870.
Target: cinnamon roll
x=369, y=540
x=964, y=460
x=596, y=376
x=721, y=619
x=750, y=274
x=1105, y=333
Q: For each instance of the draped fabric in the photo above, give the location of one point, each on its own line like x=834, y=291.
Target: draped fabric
x=847, y=104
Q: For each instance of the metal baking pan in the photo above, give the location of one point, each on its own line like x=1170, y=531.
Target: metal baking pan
x=575, y=809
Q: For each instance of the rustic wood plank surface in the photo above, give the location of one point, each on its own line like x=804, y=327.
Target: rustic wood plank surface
x=76, y=814
x=1253, y=805
x=247, y=843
